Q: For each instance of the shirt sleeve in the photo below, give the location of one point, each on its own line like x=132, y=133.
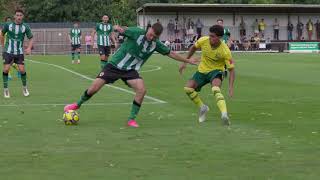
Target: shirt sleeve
x=111, y=28
x=199, y=42
x=97, y=27
x=131, y=31
x=28, y=32
x=228, y=60
x=161, y=48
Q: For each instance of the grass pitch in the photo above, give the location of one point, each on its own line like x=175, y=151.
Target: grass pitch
x=274, y=134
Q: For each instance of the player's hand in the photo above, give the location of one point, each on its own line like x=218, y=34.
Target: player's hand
x=28, y=51
x=182, y=67
x=193, y=61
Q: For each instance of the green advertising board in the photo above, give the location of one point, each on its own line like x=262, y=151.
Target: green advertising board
x=304, y=47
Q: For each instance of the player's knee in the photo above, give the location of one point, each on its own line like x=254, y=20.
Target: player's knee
x=142, y=91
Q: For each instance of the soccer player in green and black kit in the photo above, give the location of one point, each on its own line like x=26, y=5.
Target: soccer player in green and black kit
x=104, y=31
x=75, y=40
x=226, y=32
x=126, y=62
x=225, y=38
x=15, y=33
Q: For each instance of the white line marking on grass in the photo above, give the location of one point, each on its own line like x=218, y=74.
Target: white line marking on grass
x=91, y=79
x=59, y=104
x=156, y=68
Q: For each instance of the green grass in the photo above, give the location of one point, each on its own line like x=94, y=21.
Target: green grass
x=274, y=135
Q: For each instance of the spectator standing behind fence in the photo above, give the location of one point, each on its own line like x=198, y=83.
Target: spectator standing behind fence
x=190, y=29
x=290, y=29
x=255, y=27
x=276, y=29
x=317, y=26
x=170, y=29
x=309, y=27
x=199, y=26
x=299, y=29
x=262, y=27
x=176, y=28
x=184, y=28
x=242, y=27
x=88, y=40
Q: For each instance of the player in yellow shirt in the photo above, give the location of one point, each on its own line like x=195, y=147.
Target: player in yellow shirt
x=214, y=57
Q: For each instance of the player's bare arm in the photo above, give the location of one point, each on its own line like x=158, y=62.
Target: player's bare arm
x=119, y=28
x=113, y=39
x=177, y=57
x=231, y=80
x=69, y=38
x=29, y=47
x=183, y=66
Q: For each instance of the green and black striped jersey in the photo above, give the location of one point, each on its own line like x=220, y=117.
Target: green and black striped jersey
x=14, y=34
x=75, y=35
x=103, y=33
x=136, y=50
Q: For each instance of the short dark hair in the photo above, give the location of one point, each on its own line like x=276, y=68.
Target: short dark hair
x=157, y=27
x=18, y=11
x=220, y=19
x=217, y=29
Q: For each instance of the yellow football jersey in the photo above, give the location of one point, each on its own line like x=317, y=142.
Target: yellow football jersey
x=213, y=58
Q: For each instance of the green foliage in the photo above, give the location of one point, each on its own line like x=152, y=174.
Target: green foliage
x=122, y=11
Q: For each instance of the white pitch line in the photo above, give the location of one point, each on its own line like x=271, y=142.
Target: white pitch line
x=91, y=79
x=59, y=104
x=156, y=68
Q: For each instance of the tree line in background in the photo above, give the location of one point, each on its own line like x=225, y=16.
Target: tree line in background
x=121, y=11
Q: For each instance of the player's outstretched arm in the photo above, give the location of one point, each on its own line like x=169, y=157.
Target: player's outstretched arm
x=231, y=81
x=119, y=28
x=177, y=57
x=113, y=39
x=183, y=66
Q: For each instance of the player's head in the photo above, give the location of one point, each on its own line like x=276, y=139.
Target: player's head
x=154, y=32
x=215, y=33
x=7, y=19
x=18, y=16
x=105, y=18
x=220, y=22
x=76, y=24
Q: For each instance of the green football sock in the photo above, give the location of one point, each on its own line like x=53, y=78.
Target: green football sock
x=78, y=54
x=5, y=79
x=24, y=79
x=85, y=97
x=72, y=55
x=134, y=110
